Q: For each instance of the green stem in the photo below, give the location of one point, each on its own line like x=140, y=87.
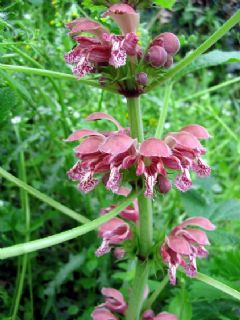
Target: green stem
x=74, y=215
x=218, y=285
x=61, y=237
x=164, y=111
x=201, y=49
x=211, y=89
x=26, y=209
x=148, y=304
x=145, y=221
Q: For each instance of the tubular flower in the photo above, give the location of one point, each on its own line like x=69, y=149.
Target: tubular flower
x=100, y=50
x=186, y=154
x=125, y=16
x=102, y=314
x=113, y=232
x=149, y=315
x=101, y=153
x=182, y=246
x=114, y=300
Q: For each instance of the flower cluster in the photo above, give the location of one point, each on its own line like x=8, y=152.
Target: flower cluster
x=107, y=155
x=182, y=246
x=104, y=50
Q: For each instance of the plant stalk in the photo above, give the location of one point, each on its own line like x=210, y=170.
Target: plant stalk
x=145, y=222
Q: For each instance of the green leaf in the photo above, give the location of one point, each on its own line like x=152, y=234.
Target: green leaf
x=210, y=59
x=194, y=203
x=227, y=210
x=167, y=4
x=7, y=102
x=180, y=305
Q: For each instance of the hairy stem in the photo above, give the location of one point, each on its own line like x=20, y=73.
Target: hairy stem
x=145, y=222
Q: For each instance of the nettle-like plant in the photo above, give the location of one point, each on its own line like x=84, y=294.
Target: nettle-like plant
x=129, y=164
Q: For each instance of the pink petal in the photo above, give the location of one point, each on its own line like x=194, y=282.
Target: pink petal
x=114, y=300
x=99, y=54
x=116, y=144
x=123, y=191
x=200, y=222
x=101, y=115
x=201, y=168
x=179, y=245
x=85, y=25
x=172, y=162
x=86, y=42
x=165, y=316
x=184, y=140
x=83, y=67
x=154, y=147
x=79, y=134
x=90, y=145
x=125, y=16
x=130, y=44
x=183, y=181
x=148, y=315
x=196, y=235
x=156, y=56
x=196, y=130
x=102, y=314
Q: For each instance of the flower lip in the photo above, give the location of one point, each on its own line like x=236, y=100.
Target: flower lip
x=79, y=134
x=120, y=8
x=90, y=145
x=103, y=116
x=198, y=221
x=85, y=25
x=184, y=140
x=154, y=147
x=117, y=144
x=196, y=130
x=178, y=244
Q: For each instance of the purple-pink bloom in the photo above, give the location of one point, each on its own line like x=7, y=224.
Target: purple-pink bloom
x=113, y=232
x=125, y=16
x=186, y=154
x=150, y=315
x=114, y=300
x=129, y=213
x=101, y=313
x=183, y=245
x=100, y=50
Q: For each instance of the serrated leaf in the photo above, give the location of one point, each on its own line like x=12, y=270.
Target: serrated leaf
x=181, y=306
x=211, y=59
x=167, y=4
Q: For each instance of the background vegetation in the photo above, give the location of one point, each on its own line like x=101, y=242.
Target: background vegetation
x=37, y=113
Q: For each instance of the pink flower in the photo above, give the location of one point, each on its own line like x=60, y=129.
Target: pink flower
x=182, y=246
x=150, y=163
x=119, y=253
x=114, y=300
x=101, y=153
x=101, y=50
x=186, y=154
x=113, y=232
x=125, y=16
x=102, y=314
x=149, y=315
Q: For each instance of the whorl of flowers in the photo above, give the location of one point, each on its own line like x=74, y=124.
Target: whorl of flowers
x=104, y=51
x=107, y=155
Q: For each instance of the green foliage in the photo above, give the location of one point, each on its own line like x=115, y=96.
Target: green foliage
x=168, y=4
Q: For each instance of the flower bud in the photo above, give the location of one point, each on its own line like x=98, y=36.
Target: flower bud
x=157, y=56
x=142, y=78
x=169, y=62
x=168, y=41
x=164, y=185
x=119, y=253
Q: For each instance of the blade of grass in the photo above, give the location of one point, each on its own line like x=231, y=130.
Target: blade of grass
x=149, y=302
x=61, y=237
x=41, y=196
x=211, y=89
x=25, y=259
x=164, y=111
x=218, y=285
x=230, y=23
